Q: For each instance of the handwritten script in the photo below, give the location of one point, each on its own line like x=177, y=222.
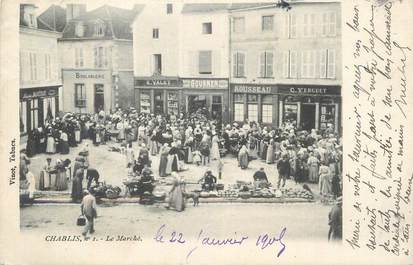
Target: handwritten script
x=204, y=239
x=379, y=174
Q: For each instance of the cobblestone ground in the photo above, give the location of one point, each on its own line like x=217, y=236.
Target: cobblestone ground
x=112, y=166
x=219, y=219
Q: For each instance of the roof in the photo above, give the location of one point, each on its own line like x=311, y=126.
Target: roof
x=54, y=18
x=117, y=23
x=215, y=7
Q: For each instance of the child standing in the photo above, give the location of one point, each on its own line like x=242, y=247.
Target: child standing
x=197, y=157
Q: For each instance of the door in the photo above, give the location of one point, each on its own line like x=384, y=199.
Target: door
x=196, y=103
x=216, y=108
x=99, y=98
x=158, y=102
x=308, y=116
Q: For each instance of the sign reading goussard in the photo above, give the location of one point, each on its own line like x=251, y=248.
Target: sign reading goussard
x=209, y=83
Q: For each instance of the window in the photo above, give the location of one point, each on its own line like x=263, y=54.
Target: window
x=238, y=25
x=205, y=62
x=32, y=21
x=328, y=24
x=292, y=26
x=216, y=107
x=80, y=29
x=157, y=64
x=327, y=64
x=267, y=23
x=23, y=117
x=47, y=68
x=80, y=96
x=99, y=29
x=267, y=108
x=207, y=28
x=331, y=64
x=100, y=57
x=169, y=8
x=33, y=66
x=34, y=113
x=266, y=64
x=155, y=33
x=308, y=64
x=290, y=64
x=252, y=103
x=79, y=57
x=309, y=25
x=238, y=107
x=238, y=67
x=145, y=101
x=290, y=113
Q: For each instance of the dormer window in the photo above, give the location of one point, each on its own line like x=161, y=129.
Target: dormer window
x=80, y=29
x=99, y=29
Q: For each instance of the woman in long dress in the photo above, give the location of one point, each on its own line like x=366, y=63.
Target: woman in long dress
x=50, y=143
x=176, y=195
x=243, y=157
x=313, y=164
x=324, y=181
x=61, y=178
x=64, y=145
x=164, y=152
x=120, y=127
x=270, y=152
x=32, y=184
x=77, y=188
x=215, y=148
x=188, y=149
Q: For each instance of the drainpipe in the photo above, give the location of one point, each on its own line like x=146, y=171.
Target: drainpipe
x=229, y=112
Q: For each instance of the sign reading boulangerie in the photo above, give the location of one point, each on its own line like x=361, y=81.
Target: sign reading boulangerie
x=378, y=133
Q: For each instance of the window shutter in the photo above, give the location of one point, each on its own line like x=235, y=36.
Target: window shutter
x=76, y=58
x=323, y=64
x=332, y=24
x=105, y=57
x=95, y=52
x=241, y=64
x=286, y=58
x=324, y=25
x=293, y=64
x=331, y=64
x=82, y=63
x=270, y=63
x=293, y=25
x=311, y=67
x=262, y=64
x=304, y=63
x=234, y=65
x=216, y=63
x=305, y=25
x=312, y=25
x=285, y=26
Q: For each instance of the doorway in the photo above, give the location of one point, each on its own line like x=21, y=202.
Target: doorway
x=308, y=116
x=197, y=102
x=99, y=98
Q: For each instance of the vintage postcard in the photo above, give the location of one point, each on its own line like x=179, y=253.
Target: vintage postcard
x=206, y=132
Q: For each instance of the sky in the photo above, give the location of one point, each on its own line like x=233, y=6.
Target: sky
x=90, y=5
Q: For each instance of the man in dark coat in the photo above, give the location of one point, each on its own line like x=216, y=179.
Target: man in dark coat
x=260, y=175
x=335, y=220
x=92, y=175
x=208, y=181
x=284, y=169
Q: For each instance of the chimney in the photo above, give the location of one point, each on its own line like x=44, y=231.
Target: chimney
x=74, y=10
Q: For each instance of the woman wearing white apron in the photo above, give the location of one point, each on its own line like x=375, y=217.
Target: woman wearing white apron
x=50, y=144
x=215, y=148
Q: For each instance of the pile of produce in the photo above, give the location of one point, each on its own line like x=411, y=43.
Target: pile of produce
x=297, y=192
x=105, y=191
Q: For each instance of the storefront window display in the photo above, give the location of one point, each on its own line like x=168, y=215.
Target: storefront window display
x=239, y=107
x=252, y=104
x=216, y=108
x=290, y=113
x=267, y=109
x=196, y=102
x=327, y=116
x=173, y=103
x=145, y=102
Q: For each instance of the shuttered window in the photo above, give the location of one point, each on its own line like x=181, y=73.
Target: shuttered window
x=205, y=62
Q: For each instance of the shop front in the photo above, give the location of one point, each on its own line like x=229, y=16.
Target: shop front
x=310, y=106
x=37, y=105
x=207, y=94
x=88, y=91
x=159, y=95
x=254, y=102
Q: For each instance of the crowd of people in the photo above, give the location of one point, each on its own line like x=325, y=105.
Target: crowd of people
x=305, y=156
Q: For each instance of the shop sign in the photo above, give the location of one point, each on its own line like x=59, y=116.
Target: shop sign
x=38, y=93
x=157, y=82
x=310, y=90
x=89, y=76
x=253, y=88
x=205, y=83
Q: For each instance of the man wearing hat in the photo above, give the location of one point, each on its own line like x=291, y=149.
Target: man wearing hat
x=208, y=181
x=335, y=220
x=88, y=209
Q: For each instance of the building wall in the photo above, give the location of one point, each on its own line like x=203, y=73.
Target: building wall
x=253, y=41
x=35, y=46
x=193, y=40
x=154, y=16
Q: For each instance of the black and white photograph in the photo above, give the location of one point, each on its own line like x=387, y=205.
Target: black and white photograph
x=202, y=126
